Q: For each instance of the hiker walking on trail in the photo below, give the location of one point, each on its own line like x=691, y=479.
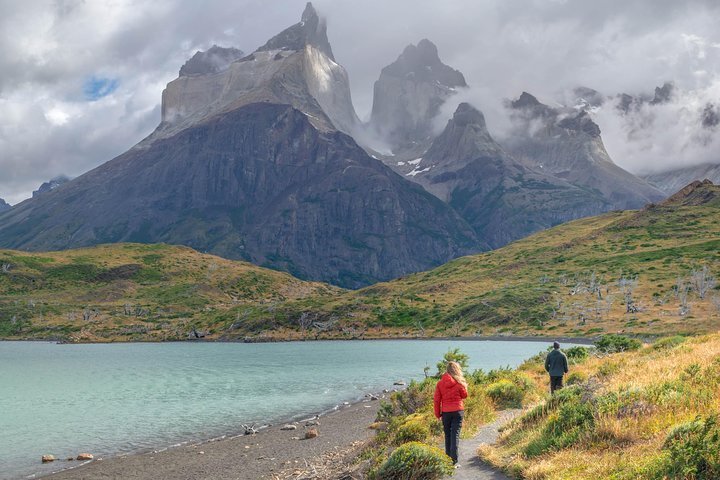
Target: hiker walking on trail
x=556, y=365
x=449, y=394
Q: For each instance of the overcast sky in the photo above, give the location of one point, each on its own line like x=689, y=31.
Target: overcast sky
x=80, y=81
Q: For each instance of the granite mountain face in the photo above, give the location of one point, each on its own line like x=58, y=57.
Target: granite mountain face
x=500, y=197
x=567, y=144
x=251, y=162
x=408, y=96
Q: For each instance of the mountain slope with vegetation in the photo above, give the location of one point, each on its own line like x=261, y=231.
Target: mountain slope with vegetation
x=650, y=273
x=647, y=272
x=137, y=292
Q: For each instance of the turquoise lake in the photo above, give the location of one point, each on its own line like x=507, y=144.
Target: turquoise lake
x=112, y=399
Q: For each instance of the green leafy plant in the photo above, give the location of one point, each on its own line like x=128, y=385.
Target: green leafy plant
x=453, y=355
x=415, y=461
x=617, y=343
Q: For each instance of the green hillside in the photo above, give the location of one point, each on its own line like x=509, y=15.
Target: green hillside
x=639, y=272
x=138, y=292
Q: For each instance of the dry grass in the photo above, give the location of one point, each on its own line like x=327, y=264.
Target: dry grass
x=633, y=409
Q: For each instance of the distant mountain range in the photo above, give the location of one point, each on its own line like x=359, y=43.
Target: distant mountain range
x=261, y=157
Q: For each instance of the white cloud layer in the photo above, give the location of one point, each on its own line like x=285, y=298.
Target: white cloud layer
x=49, y=51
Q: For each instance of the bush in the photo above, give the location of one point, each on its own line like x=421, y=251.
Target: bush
x=668, y=343
x=415, y=461
x=577, y=354
x=617, y=343
x=575, y=378
x=453, y=355
x=412, y=431
x=694, y=450
x=506, y=394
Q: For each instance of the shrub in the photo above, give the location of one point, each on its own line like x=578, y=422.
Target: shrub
x=453, y=355
x=668, y=343
x=506, y=394
x=617, y=343
x=412, y=431
x=577, y=354
x=415, y=461
x=694, y=450
x=575, y=378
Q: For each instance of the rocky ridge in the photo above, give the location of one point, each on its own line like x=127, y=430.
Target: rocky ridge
x=500, y=197
x=4, y=205
x=567, y=143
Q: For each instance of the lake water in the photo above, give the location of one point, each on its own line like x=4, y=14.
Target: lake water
x=111, y=399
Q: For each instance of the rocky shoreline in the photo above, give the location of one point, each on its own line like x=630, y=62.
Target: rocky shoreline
x=273, y=453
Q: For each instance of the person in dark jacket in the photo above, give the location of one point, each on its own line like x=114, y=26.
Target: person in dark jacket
x=448, y=400
x=556, y=365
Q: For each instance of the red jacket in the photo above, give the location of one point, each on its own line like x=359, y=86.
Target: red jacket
x=448, y=395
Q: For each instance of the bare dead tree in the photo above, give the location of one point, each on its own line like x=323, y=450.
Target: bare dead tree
x=457, y=327
x=595, y=285
x=682, y=291
x=420, y=328
x=305, y=320
x=627, y=287
x=702, y=281
x=5, y=267
x=127, y=309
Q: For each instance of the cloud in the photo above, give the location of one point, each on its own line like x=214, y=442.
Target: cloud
x=81, y=81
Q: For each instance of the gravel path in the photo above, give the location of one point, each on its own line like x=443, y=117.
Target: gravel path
x=471, y=467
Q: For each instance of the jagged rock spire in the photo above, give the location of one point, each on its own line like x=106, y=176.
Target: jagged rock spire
x=311, y=30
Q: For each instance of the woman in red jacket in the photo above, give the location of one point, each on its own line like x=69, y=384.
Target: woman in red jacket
x=449, y=394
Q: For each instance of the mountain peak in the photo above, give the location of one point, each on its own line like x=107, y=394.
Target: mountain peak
x=663, y=94
x=4, y=205
x=311, y=30
x=466, y=114
x=422, y=63
x=526, y=100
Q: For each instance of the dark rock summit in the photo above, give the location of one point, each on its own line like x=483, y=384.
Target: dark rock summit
x=51, y=185
x=311, y=30
x=214, y=60
x=4, y=205
x=409, y=94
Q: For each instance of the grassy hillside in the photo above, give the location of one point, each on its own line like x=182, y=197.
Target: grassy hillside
x=638, y=272
x=648, y=414
x=627, y=272
x=139, y=292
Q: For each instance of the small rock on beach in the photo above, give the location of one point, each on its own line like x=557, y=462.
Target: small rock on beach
x=312, y=433
x=288, y=427
x=48, y=458
x=85, y=456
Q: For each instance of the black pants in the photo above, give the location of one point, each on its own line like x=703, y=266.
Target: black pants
x=452, y=423
x=556, y=383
